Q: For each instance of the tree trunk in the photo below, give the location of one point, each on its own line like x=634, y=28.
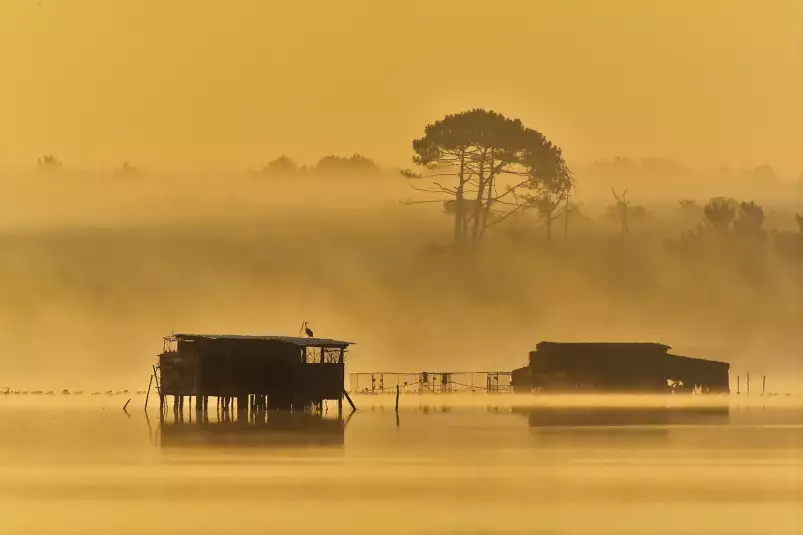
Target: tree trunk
x=566, y=220
x=459, y=216
x=478, y=201
x=625, y=227
x=488, y=199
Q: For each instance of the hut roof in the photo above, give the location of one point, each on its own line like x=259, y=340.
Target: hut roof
x=612, y=349
x=294, y=340
x=605, y=346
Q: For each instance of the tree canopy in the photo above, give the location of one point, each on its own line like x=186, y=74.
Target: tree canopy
x=355, y=164
x=281, y=166
x=487, y=166
x=48, y=162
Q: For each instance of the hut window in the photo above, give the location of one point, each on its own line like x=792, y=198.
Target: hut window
x=331, y=355
x=313, y=355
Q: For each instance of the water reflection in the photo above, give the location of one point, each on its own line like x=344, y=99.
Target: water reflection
x=624, y=416
x=621, y=427
x=296, y=430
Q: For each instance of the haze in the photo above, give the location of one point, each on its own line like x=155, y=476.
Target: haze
x=95, y=267
x=200, y=85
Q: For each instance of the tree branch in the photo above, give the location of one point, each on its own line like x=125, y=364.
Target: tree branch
x=502, y=218
x=409, y=203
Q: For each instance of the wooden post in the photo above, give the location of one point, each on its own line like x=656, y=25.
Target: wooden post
x=566, y=219
x=346, y=394
x=161, y=395
x=748, y=383
x=242, y=408
x=738, y=385
x=342, y=361
x=149, y=393
x=763, y=385
x=397, y=398
x=156, y=377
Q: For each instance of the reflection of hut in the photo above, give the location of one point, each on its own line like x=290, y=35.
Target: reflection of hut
x=617, y=367
x=619, y=427
x=276, y=372
x=280, y=430
x=625, y=416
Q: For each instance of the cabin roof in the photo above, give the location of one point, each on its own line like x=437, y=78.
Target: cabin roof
x=619, y=346
x=609, y=349
x=295, y=340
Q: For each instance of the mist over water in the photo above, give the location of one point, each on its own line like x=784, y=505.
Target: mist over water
x=97, y=269
x=483, y=464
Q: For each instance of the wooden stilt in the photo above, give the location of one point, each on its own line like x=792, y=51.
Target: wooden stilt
x=346, y=394
x=242, y=408
x=148, y=395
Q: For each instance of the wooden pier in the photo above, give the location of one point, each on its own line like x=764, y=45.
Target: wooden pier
x=429, y=382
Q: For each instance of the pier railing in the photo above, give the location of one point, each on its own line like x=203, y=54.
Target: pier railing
x=429, y=382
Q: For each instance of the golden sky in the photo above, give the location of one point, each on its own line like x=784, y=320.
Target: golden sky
x=190, y=83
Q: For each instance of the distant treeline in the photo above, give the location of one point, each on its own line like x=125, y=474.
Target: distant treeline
x=283, y=166
x=354, y=165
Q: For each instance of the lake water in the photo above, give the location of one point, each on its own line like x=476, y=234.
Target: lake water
x=489, y=464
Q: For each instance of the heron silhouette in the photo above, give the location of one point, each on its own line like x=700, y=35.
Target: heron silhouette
x=308, y=330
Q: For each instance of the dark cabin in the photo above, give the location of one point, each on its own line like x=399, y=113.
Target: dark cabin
x=617, y=367
x=289, y=373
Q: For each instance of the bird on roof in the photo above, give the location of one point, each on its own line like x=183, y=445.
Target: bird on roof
x=308, y=330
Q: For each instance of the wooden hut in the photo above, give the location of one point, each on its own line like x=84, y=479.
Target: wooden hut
x=274, y=372
x=617, y=367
